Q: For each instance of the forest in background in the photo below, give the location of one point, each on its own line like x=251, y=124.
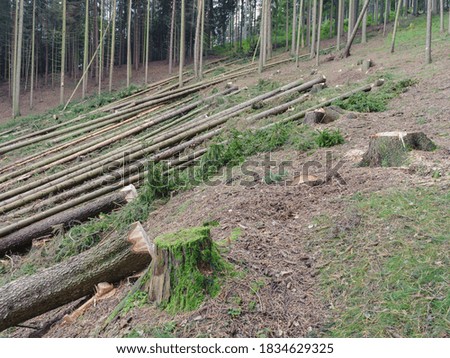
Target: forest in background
x=47, y=42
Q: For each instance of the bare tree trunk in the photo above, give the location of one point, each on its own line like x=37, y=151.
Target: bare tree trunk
x=300, y=32
x=351, y=13
x=32, y=54
x=355, y=29
x=147, y=40
x=294, y=24
x=394, y=33
x=172, y=32
x=364, y=29
x=182, y=42
x=387, y=12
x=100, y=51
x=18, y=62
x=339, y=26
x=428, y=39
x=287, y=25
x=263, y=37
x=314, y=30
x=441, y=11
x=129, y=44
x=63, y=53
x=318, y=32
x=202, y=41
x=197, y=38
x=86, y=49
x=113, y=43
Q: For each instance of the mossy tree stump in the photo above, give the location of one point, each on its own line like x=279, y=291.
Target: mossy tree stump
x=390, y=149
x=185, y=269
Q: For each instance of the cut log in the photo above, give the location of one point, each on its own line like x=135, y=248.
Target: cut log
x=23, y=238
x=30, y=296
x=185, y=269
x=390, y=149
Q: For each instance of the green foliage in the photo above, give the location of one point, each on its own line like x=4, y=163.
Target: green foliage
x=375, y=100
x=137, y=299
x=198, y=270
x=393, y=281
x=329, y=138
x=235, y=311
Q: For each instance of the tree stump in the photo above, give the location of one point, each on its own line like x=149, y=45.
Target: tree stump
x=314, y=117
x=185, y=269
x=323, y=115
x=366, y=64
x=390, y=149
x=318, y=87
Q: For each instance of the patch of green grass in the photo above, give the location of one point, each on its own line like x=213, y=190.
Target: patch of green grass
x=165, y=331
x=329, y=138
x=137, y=299
x=375, y=100
x=235, y=234
x=235, y=312
x=256, y=286
x=388, y=277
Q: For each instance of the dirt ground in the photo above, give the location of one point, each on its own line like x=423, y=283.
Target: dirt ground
x=278, y=296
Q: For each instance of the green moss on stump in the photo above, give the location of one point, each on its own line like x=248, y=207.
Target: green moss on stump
x=186, y=269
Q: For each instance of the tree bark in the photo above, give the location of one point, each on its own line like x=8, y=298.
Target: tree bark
x=429, y=31
x=63, y=53
x=23, y=238
x=86, y=50
x=394, y=33
x=294, y=23
x=113, y=43
x=339, y=26
x=110, y=261
x=319, y=28
x=100, y=51
x=18, y=62
x=364, y=29
x=172, y=33
x=299, y=34
x=441, y=16
x=147, y=40
x=33, y=36
x=182, y=43
x=355, y=29
x=387, y=12
x=314, y=30
x=129, y=44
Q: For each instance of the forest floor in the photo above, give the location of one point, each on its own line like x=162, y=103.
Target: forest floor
x=365, y=254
